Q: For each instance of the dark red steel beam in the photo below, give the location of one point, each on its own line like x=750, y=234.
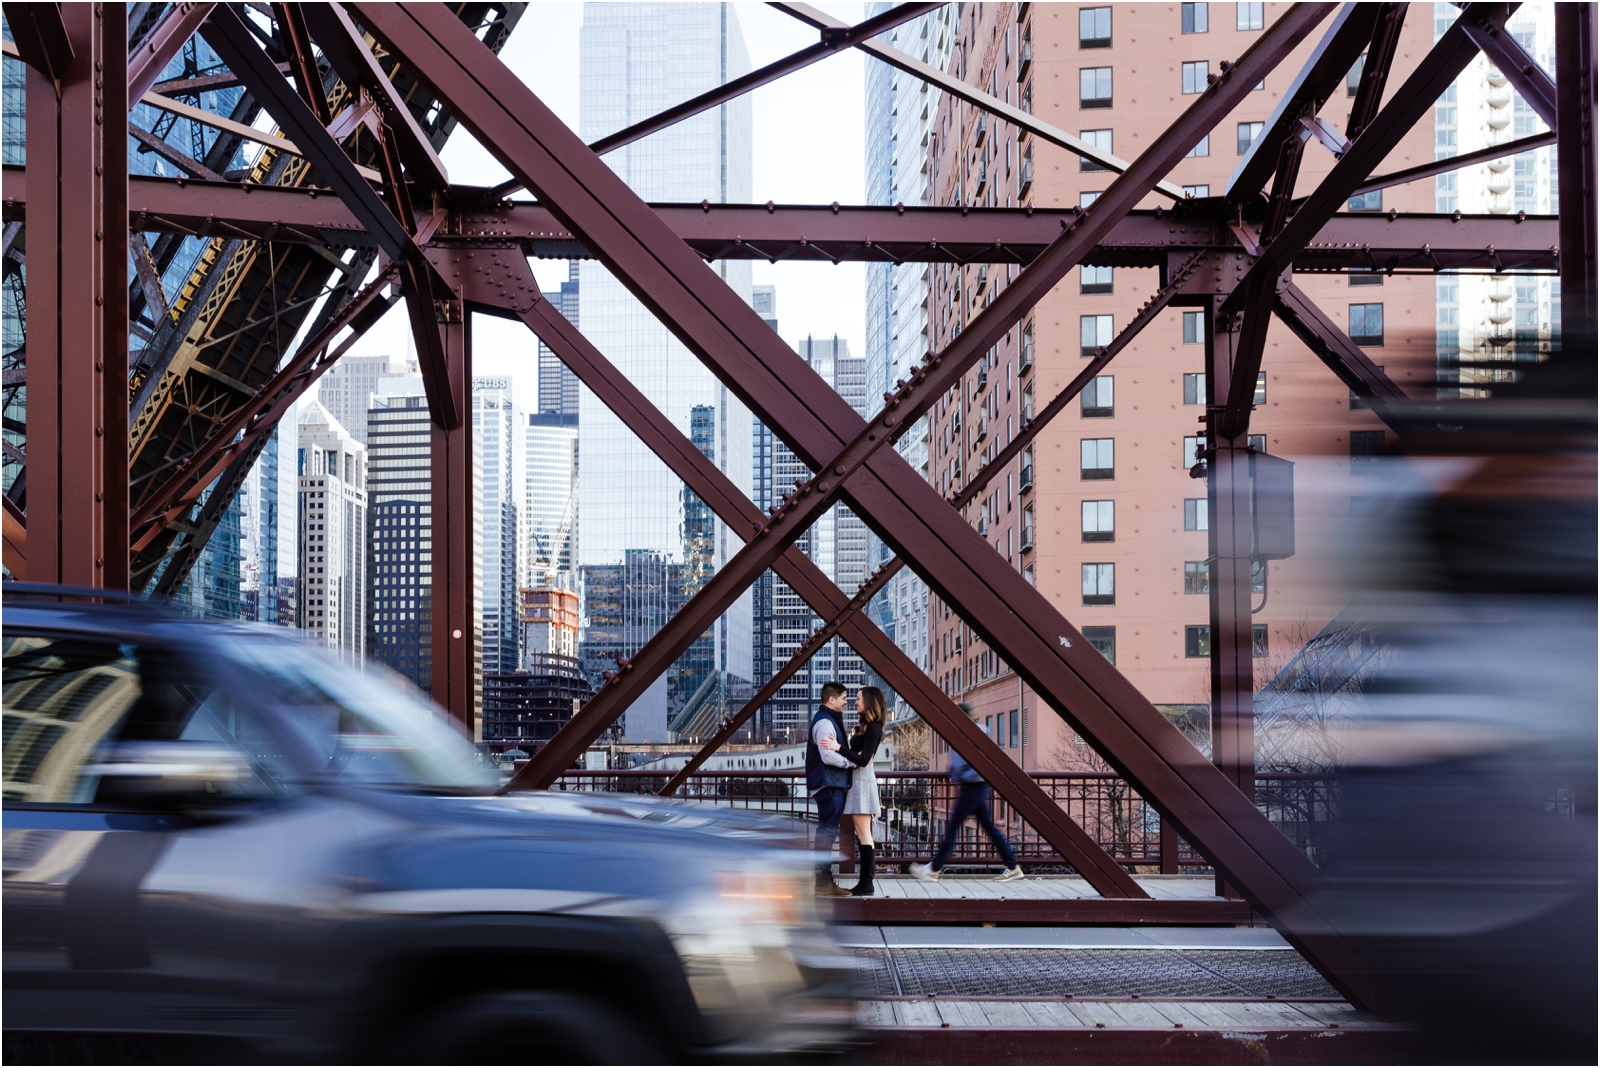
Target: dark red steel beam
x=1580, y=268
x=43, y=43
x=1455, y=163
x=861, y=233
x=15, y=530
x=1375, y=72
x=235, y=44
x=160, y=45
x=347, y=51
x=832, y=42
x=454, y=637
x=932, y=380
x=1343, y=356
x=1323, y=73
x=1415, y=98
x=296, y=42
x=77, y=294
x=722, y=330
x=499, y=281
x=1521, y=69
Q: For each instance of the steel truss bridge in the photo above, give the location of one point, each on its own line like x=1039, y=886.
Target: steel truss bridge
x=132, y=454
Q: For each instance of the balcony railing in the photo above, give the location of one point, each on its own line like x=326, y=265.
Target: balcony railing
x=915, y=805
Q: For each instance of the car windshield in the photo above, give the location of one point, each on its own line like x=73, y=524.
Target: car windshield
x=362, y=729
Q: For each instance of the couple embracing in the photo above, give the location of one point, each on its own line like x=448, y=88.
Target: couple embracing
x=839, y=777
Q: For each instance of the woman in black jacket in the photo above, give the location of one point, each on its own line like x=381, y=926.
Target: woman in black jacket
x=861, y=804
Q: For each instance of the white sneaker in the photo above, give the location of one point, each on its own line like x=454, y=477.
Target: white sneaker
x=1009, y=874
x=925, y=872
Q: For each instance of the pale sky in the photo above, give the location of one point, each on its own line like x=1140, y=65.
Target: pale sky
x=809, y=148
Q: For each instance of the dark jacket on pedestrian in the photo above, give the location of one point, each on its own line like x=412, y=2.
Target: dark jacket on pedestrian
x=820, y=776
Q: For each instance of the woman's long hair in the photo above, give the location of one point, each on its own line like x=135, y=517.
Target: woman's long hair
x=874, y=710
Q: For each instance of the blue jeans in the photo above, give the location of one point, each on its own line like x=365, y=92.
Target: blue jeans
x=830, y=807
x=973, y=800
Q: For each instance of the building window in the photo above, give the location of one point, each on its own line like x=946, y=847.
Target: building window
x=1085, y=199
x=1195, y=76
x=1366, y=325
x=1196, y=577
x=1258, y=641
x=1094, y=332
x=1194, y=388
x=1099, y=521
x=1248, y=132
x=1095, y=400
x=1104, y=639
x=1100, y=139
x=1094, y=87
x=1094, y=27
x=1365, y=448
x=1027, y=529
x=1194, y=330
x=1098, y=459
x=1194, y=18
x=1196, y=641
x=1256, y=442
x=1196, y=513
x=1099, y=584
x=1193, y=446
x=1372, y=200
x=1203, y=148
x=1012, y=732
x=1366, y=278
x=1197, y=191
x=1094, y=279
x=1261, y=389
x=1352, y=78
x=1249, y=16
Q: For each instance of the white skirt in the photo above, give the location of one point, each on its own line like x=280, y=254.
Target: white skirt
x=863, y=797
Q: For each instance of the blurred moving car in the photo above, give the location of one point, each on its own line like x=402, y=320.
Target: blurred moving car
x=222, y=846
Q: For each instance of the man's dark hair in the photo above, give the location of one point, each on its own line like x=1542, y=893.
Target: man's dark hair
x=830, y=690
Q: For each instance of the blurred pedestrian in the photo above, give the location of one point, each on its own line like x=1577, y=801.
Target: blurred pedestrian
x=828, y=775
x=861, y=804
x=972, y=799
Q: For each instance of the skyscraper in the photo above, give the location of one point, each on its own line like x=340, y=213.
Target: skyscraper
x=400, y=537
x=258, y=542
x=550, y=501
x=332, y=472
x=635, y=60
x=764, y=299
x=558, y=386
x=348, y=387
x=498, y=434
x=901, y=111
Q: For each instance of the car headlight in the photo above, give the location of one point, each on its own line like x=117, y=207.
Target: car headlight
x=735, y=939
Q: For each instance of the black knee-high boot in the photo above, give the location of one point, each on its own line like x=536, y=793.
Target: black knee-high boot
x=863, y=887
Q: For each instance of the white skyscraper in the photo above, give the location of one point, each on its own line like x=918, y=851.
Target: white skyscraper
x=635, y=60
x=901, y=110
x=332, y=579
x=498, y=438
x=348, y=387
x=550, y=502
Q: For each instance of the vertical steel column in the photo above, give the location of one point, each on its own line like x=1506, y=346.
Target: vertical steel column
x=454, y=677
x=1575, y=105
x=1228, y=492
x=77, y=303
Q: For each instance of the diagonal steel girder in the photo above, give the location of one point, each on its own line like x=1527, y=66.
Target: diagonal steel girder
x=1343, y=356
x=964, y=497
x=500, y=282
x=1520, y=69
x=903, y=508
x=1254, y=296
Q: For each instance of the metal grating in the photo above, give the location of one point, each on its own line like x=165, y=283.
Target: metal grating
x=1087, y=973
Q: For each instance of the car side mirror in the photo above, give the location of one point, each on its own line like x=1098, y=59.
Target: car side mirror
x=173, y=775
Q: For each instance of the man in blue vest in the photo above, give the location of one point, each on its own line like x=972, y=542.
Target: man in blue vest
x=828, y=778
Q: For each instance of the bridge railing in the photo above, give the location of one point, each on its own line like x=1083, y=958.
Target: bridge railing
x=915, y=805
